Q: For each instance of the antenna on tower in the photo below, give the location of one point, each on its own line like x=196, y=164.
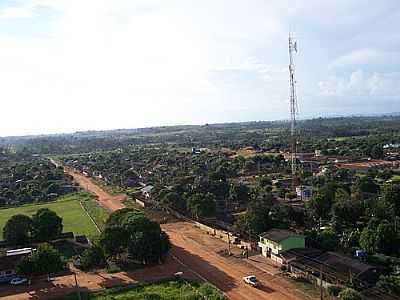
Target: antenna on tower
x=293, y=110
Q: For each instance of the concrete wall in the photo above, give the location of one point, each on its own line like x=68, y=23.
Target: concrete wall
x=141, y=203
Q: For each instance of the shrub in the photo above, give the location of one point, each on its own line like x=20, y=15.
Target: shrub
x=349, y=294
x=334, y=290
x=92, y=257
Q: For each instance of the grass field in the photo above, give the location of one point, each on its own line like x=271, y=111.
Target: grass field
x=163, y=290
x=98, y=213
x=68, y=207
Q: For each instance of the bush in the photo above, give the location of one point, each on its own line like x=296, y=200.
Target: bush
x=92, y=257
x=290, y=195
x=334, y=290
x=349, y=294
x=113, y=268
x=45, y=260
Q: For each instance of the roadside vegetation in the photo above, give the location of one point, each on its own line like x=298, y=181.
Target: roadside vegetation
x=168, y=289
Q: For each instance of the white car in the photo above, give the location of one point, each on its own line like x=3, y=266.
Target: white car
x=251, y=280
x=18, y=280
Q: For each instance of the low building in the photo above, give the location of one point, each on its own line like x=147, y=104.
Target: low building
x=275, y=241
x=336, y=269
x=146, y=190
x=304, y=192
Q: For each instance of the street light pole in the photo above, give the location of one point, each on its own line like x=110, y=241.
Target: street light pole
x=77, y=287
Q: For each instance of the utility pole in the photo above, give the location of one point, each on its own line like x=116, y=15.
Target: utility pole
x=293, y=111
x=321, y=290
x=77, y=287
x=229, y=243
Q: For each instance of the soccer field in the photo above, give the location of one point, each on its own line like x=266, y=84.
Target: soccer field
x=68, y=207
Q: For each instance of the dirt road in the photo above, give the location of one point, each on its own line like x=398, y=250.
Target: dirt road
x=63, y=285
x=197, y=252
x=108, y=201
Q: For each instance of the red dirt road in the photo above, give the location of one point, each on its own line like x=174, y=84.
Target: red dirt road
x=196, y=252
x=63, y=285
x=108, y=201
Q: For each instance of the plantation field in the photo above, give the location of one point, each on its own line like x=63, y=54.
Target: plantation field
x=68, y=207
x=163, y=290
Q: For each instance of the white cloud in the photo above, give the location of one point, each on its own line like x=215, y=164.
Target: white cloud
x=361, y=84
x=16, y=12
x=367, y=56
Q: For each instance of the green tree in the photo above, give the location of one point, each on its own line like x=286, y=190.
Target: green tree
x=380, y=238
x=116, y=218
x=114, y=240
x=328, y=239
x=44, y=261
x=256, y=219
x=47, y=260
x=26, y=267
x=146, y=242
x=53, y=188
x=346, y=210
x=133, y=232
x=387, y=239
x=92, y=257
x=391, y=194
x=202, y=205
x=367, y=184
x=377, y=151
x=349, y=240
x=389, y=283
x=349, y=294
x=173, y=200
x=47, y=225
x=368, y=240
x=18, y=229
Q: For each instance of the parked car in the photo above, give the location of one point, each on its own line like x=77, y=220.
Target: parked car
x=18, y=280
x=251, y=280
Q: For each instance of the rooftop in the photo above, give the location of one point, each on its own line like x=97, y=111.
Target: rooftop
x=278, y=235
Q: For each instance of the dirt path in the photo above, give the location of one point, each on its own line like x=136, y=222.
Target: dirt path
x=196, y=252
x=108, y=201
x=63, y=285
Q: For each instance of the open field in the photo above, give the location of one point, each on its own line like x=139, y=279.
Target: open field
x=68, y=207
x=165, y=289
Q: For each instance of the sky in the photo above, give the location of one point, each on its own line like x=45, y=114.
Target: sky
x=71, y=65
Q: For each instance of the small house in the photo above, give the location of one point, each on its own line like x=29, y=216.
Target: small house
x=146, y=191
x=275, y=241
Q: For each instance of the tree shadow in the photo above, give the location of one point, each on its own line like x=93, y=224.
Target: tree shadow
x=194, y=269
x=201, y=269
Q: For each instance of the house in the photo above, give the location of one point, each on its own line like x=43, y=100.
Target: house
x=336, y=268
x=275, y=241
x=146, y=190
x=304, y=192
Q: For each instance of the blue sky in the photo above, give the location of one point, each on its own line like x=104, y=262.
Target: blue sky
x=70, y=65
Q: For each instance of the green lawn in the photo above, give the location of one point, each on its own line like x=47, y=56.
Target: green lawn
x=68, y=207
x=396, y=178
x=98, y=213
x=163, y=290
